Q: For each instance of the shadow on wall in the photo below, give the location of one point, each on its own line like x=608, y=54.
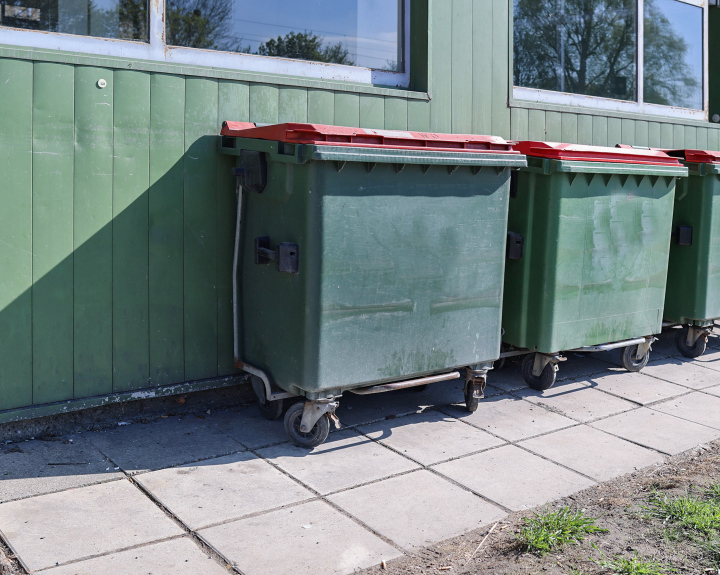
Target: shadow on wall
x=145, y=300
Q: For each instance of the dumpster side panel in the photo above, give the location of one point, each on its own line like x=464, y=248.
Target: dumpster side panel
x=595, y=259
x=276, y=307
x=693, y=292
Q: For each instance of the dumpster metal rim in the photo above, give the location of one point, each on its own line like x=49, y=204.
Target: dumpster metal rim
x=404, y=384
x=393, y=156
x=548, y=166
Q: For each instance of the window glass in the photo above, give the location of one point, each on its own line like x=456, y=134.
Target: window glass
x=673, y=68
x=124, y=19
x=577, y=46
x=365, y=33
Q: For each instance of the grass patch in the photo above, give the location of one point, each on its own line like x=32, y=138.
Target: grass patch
x=549, y=530
x=633, y=566
x=701, y=515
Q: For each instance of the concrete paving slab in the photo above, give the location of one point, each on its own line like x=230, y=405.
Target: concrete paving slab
x=430, y=437
x=513, y=477
x=656, y=430
x=362, y=409
x=222, y=489
x=308, y=539
x=509, y=378
x=577, y=400
x=346, y=459
x=635, y=387
x=173, y=441
x=37, y=467
x=247, y=426
x=710, y=359
x=511, y=418
x=697, y=407
x=79, y=523
x=417, y=509
x=175, y=557
x=592, y=452
x=684, y=373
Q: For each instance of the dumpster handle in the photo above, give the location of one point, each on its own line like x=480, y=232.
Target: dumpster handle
x=269, y=395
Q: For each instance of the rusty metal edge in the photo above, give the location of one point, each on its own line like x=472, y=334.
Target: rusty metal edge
x=35, y=411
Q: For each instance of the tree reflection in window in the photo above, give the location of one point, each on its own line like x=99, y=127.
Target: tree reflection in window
x=576, y=46
x=673, y=68
x=122, y=19
x=364, y=33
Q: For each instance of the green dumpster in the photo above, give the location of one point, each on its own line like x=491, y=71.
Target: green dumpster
x=367, y=260
x=693, y=285
x=589, y=229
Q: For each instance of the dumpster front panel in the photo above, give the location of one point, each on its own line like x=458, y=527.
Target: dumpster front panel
x=595, y=259
x=412, y=271
x=693, y=287
x=400, y=272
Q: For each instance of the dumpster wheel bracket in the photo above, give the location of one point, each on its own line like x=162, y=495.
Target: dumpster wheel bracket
x=543, y=359
x=314, y=410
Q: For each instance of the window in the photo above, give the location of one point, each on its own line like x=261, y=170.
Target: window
x=354, y=40
x=125, y=19
x=629, y=55
x=365, y=33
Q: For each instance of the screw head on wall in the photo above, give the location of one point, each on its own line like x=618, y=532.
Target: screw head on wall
x=102, y=83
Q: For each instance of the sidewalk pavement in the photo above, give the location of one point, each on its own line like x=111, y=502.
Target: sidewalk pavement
x=226, y=492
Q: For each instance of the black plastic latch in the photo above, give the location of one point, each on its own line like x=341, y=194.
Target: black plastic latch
x=251, y=170
x=287, y=255
x=684, y=235
x=515, y=246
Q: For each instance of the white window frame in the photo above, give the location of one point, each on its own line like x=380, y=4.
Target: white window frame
x=157, y=50
x=639, y=107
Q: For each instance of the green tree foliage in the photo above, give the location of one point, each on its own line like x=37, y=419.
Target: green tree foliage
x=305, y=46
x=576, y=46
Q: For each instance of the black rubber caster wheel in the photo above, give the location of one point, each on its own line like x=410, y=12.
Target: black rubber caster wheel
x=539, y=383
x=317, y=435
x=629, y=360
x=471, y=402
x=499, y=363
x=696, y=350
x=271, y=410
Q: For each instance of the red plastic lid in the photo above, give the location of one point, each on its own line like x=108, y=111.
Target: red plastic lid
x=557, y=151
x=319, y=134
x=697, y=156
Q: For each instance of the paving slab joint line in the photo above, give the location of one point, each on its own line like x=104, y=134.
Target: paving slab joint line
x=70, y=488
x=113, y=552
x=686, y=419
x=218, y=557
x=5, y=544
x=574, y=424
x=333, y=505
x=191, y=462
x=436, y=473
x=192, y=535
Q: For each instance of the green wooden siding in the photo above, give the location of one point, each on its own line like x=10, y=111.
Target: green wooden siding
x=118, y=214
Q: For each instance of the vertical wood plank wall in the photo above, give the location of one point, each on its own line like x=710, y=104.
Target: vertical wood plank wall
x=118, y=215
